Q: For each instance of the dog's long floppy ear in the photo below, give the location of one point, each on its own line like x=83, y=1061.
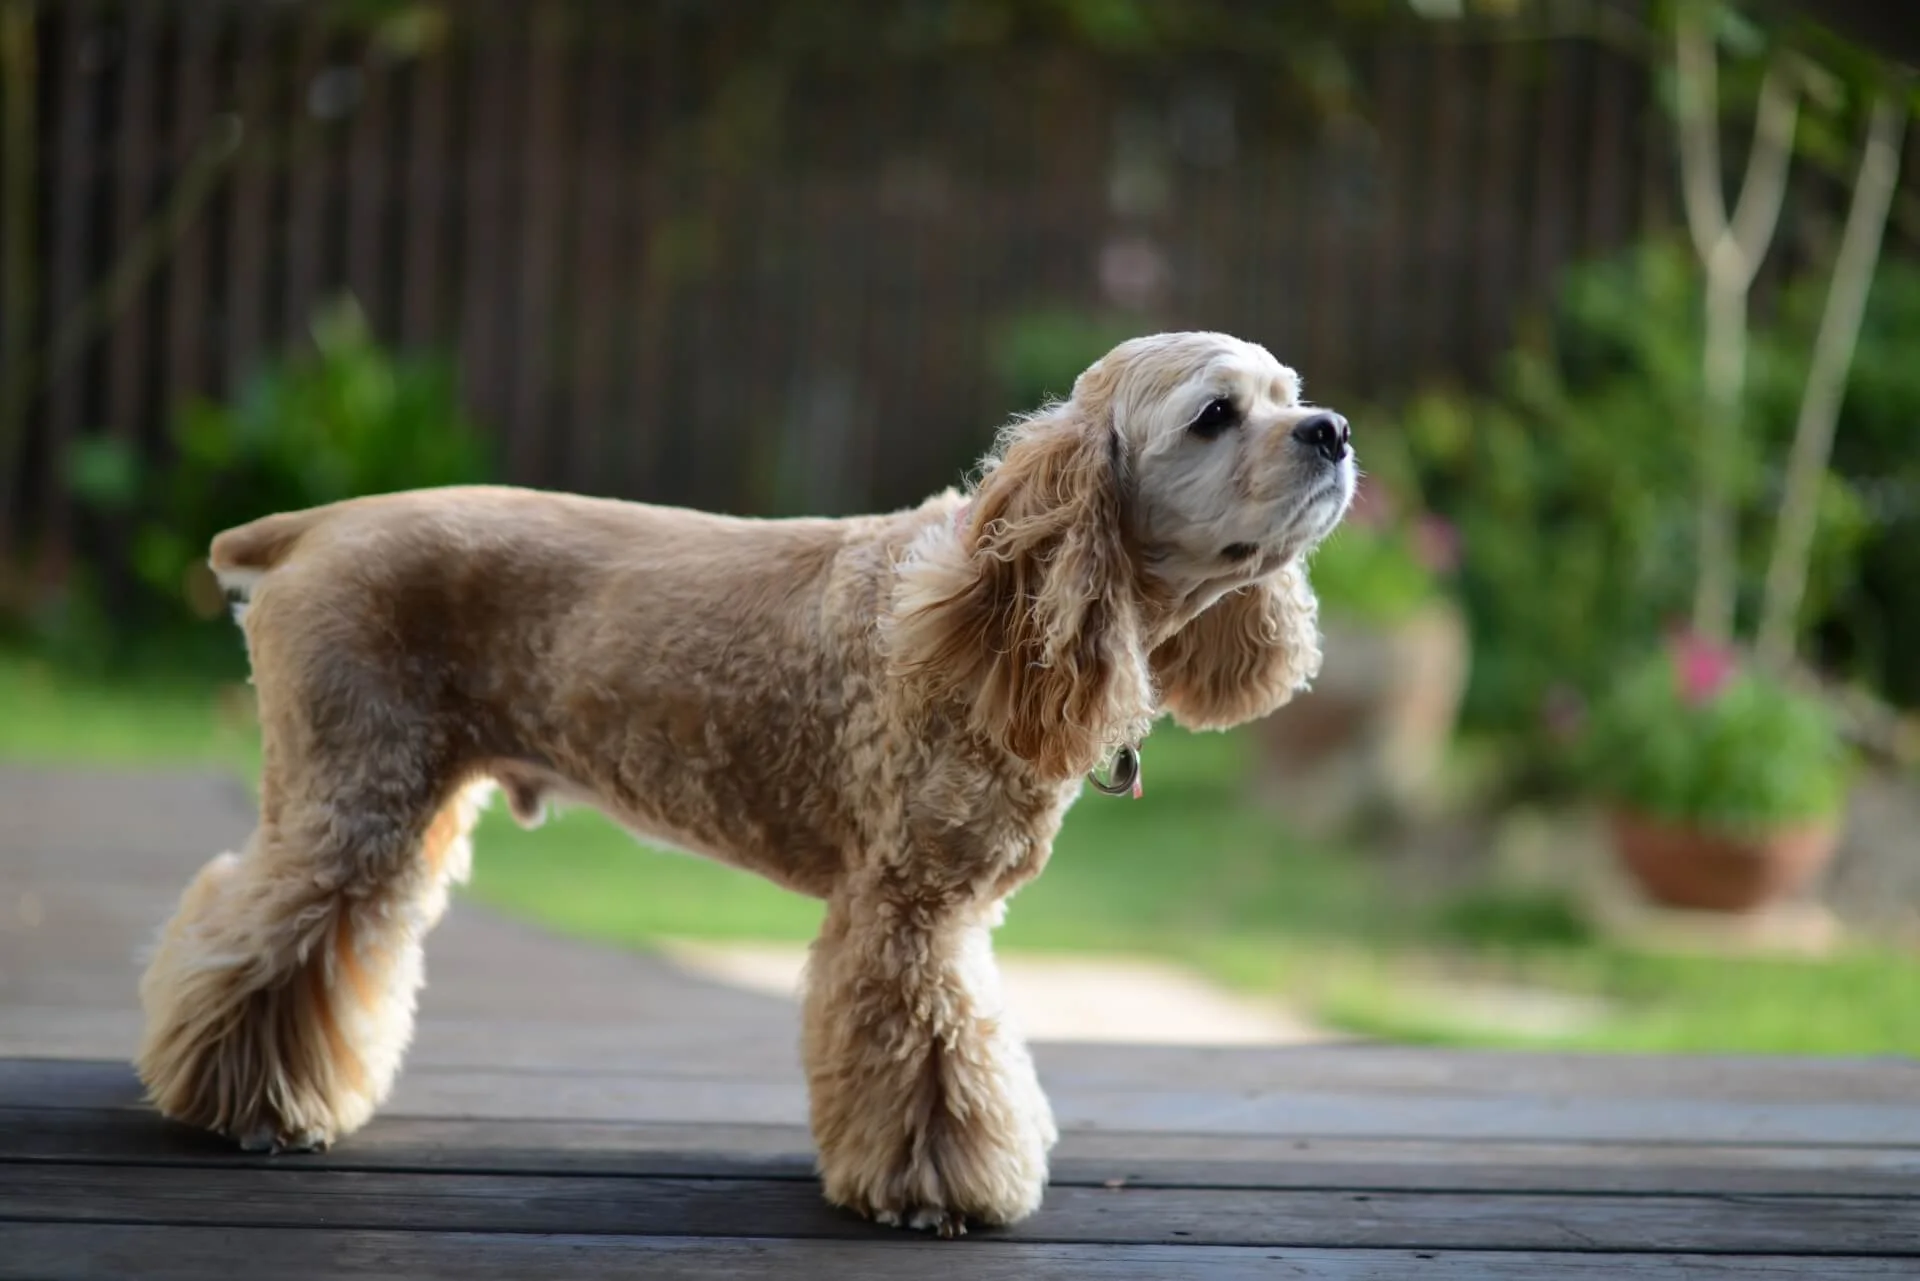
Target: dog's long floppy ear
x=1244, y=655
x=1031, y=611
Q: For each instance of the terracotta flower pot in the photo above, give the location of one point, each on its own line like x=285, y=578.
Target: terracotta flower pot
x=1684, y=866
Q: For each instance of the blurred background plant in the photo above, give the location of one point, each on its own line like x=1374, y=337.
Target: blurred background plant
x=1694, y=735
x=1862, y=615
x=1368, y=751
x=1573, y=492
x=342, y=418
x=1383, y=567
x=1036, y=354
x=1725, y=782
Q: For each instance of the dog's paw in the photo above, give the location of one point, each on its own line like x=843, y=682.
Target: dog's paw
x=984, y=1176
x=945, y=1224
x=942, y=1206
x=274, y=1141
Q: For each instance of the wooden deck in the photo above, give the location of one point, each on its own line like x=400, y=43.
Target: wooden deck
x=570, y=1111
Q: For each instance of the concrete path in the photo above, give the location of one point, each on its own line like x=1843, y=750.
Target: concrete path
x=1116, y=999
x=91, y=863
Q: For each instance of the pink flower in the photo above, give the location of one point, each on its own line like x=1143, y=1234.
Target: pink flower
x=1701, y=666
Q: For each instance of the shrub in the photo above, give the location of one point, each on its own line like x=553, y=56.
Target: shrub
x=1574, y=485
x=1862, y=612
x=1371, y=576
x=1382, y=566
x=337, y=421
x=1036, y=355
x=1698, y=736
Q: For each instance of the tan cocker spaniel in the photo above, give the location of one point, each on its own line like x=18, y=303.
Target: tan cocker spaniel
x=891, y=713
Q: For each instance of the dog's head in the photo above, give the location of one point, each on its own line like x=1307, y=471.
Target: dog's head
x=1139, y=546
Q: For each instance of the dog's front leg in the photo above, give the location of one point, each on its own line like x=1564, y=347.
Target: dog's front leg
x=924, y=1101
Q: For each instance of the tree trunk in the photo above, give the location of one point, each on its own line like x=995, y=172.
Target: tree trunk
x=1725, y=374
x=1730, y=250
x=1853, y=269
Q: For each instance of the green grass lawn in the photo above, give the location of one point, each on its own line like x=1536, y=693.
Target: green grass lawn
x=53, y=716
x=1194, y=872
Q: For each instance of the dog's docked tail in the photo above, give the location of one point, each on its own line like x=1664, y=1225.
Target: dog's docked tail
x=242, y=554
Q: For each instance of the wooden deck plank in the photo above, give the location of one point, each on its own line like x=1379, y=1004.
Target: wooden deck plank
x=289, y=1196
x=1280, y=1111
x=495, y=1001
x=457, y=1146
x=637, y=1094
x=67, y=1252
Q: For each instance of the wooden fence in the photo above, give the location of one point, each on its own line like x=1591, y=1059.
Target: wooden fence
x=674, y=269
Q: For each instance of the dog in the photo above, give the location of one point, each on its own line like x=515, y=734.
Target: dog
x=890, y=713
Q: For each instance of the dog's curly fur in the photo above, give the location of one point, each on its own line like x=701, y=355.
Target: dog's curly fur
x=891, y=713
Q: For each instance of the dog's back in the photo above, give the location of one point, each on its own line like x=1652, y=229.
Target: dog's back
x=447, y=519
x=690, y=672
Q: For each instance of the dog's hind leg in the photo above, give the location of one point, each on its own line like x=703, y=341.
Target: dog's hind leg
x=280, y=999
x=925, y=1106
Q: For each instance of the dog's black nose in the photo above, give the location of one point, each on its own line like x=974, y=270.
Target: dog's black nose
x=1325, y=431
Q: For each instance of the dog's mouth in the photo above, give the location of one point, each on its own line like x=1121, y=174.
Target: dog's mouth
x=1331, y=494
x=1327, y=502
x=1301, y=519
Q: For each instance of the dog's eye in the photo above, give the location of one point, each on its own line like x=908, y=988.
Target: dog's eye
x=1215, y=418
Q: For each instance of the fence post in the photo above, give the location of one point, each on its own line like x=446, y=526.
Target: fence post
x=19, y=243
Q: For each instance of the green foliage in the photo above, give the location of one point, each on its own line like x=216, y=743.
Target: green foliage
x=56, y=715
x=339, y=421
x=1501, y=917
x=1373, y=574
x=1391, y=557
x=1860, y=1001
x=1572, y=491
x=1837, y=78
x=1036, y=355
x=1574, y=485
x=398, y=28
x=1727, y=751
x=1863, y=597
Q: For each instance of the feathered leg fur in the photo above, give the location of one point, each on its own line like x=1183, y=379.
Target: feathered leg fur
x=925, y=1105
x=280, y=1000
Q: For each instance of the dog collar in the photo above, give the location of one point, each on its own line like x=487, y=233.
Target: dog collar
x=1123, y=774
